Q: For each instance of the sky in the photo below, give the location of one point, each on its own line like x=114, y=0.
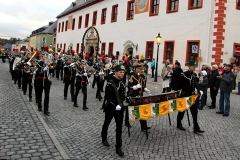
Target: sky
x=18, y=18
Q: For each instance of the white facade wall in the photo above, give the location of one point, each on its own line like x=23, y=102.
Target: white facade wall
x=178, y=26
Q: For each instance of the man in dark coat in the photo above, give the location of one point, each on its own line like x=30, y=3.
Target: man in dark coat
x=213, y=84
x=175, y=75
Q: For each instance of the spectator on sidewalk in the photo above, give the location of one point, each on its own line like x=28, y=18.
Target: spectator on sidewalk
x=164, y=70
x=176, y=73
x=238, y=80
x=153, y=67
x=220, y=69
x=203, y=85
x=226, y=86
x=213, y=84
x=167, y=79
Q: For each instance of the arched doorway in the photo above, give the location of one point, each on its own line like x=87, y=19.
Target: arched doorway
x=90, y=42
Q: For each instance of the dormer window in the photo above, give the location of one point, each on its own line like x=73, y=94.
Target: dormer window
x=73, y=4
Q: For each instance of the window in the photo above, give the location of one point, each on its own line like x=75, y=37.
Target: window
x=57, y=45
x=94, y=20
x=44, y=39
x=172, y=6
x=61, y=45
x=77, y=49
x=79, y=22
x=66, y=26
x=149, y=50
x=192, y=50
x=168, y=51
x=154, y=7
x=114, y=13
x=59, y=27
x=64, y=47
x=130, y=10
x=54, y=41
x=86, y=20
x=103, y=49
x=110, y=49
x=103, y=17
x=73, y=23
x=238, y=4
x=194, y=4
x=62, y=26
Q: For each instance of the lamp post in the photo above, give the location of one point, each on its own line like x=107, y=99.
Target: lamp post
x=158, y=40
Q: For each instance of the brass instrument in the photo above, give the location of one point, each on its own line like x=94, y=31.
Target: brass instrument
x=107, y=66
x=52, y=66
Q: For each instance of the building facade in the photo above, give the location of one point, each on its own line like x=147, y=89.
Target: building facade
x=203, y=30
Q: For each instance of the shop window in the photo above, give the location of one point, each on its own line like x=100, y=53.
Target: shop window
x=130, y=10
x=104, y=15
x=192, y=52
x=86, y=20
x=103, y=48
x=110, y=49
x=172, y=6
x=154, y=7
x=149, y=50
x=114, y=13
x=94, y=20
x=168, y=51
x=79, y=22
x=194, y=4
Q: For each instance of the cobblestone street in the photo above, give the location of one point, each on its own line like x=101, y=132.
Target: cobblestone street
x=72, y=133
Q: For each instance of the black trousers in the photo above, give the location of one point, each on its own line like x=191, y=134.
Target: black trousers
x=152, y=72
x=213, y=94
x=59, y=70
x=46, y=88
x=194, y=112
x=94, y=81
x=52, y=72
x=30, y=87
x=66, y=85
x=118, y=116
x=15, y=76
x=99, y=87
x=19, y=78
x=84, y=91
x=24, y=82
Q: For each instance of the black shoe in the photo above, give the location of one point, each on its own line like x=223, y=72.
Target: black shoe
x=101, y=91
x=119, y=152
x=85, y=108
x=19, y=87
x=47, y=113
x=127, y=124
x=72, y=100
x=225, y=115
x=201, y=108
x=24, y=93
x=65, y=98
x=30, y=99
x=144, y=129
x=97, y=97
x=40, y=109
x=198, y=131
x=75, y=105
x=100, y=98
x=14, y=82
x=212, y=107
x=219, y=112
x=105, y=143
x=209, y=106
x=181, y=128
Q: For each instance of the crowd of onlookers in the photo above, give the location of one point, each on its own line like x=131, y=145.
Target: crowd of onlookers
x=224, y=77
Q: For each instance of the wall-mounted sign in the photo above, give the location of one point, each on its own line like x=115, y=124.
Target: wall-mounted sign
x=194, y=48
x=141, y=6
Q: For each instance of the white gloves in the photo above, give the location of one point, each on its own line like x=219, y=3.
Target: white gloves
x=100, y=73
x=34, y=72
x=77, y=74
x=139, y=86
x=71, y=64
x=29, y=63
x=118, y=108
x=147, y=90
x=46, y=68
x=135, y=88
x=85, y=74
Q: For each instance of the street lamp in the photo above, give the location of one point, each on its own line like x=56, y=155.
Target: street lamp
x=158, y=40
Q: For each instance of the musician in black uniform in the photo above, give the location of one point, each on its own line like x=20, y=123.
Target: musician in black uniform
x=30, y=79
x=121, y=62
x=187, y=84
x=96, y=66
x=43, y=83
x=26, y=74
x=112, y=69
x=11, y=58
x=99, y=73
x=137, y=85
x=81, y=84
x=69, y=77
x=20, y=72
x=59, y=66
x=114, y=109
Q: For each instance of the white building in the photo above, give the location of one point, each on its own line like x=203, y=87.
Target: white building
x=189, y=28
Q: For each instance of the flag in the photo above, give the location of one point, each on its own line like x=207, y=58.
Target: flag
x=172, y=105
x=154, y=109
x=133, y=113
x=194, y=97
x=181, y=104
x=164, y=108
x=188, y=102
x=145, y=111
